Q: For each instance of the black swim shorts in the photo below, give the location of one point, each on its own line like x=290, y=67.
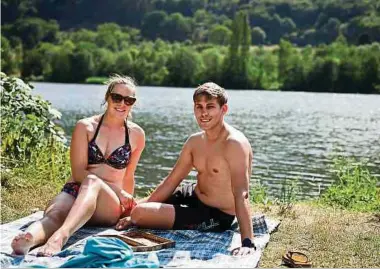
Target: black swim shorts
x=192, y=214
x=71, y=188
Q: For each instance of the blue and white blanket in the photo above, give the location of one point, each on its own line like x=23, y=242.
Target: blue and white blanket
x=192, y=248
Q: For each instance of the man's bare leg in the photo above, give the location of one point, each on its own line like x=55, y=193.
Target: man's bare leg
x=38, y=232
x=96, y=202
x=150, y=215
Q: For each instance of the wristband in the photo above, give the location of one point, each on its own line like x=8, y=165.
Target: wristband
x=248, y=243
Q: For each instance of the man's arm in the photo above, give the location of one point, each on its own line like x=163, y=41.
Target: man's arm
x=180, y=170
x=238, y=158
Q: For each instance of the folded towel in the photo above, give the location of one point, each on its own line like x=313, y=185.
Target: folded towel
x=107, y=252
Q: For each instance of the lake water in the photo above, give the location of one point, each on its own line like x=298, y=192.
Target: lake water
x=294, y=135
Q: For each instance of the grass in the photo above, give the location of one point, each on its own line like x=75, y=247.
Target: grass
x=96, y=80
x=30, y=185
x=333, y=238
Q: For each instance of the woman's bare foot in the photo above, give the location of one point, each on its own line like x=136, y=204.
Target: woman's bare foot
x=22, y=243
x=54, y=244
x=124, y=223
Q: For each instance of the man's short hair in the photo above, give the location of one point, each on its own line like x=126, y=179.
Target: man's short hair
x=211, y=90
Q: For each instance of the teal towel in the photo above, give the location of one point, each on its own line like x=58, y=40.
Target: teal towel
x=107, y=252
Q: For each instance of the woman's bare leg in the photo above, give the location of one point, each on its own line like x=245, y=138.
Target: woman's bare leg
x=96, y=202
x=38, y=232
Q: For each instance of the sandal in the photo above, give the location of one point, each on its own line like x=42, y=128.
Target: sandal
x=296, y=259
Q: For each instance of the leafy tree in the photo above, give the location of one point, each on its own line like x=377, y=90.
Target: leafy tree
x=349, y=75
x=104, y=60
x=219, y=35
x=152, y=24
x=61, y=63
x=124, y=62
x=258, y=36
x=82, y=64
x=107, y=36
x=184, y=67
x=177, y=27
x=324, y=75
x=34, y=30
x=213, y=65
x=10, y=57
x=235, y=66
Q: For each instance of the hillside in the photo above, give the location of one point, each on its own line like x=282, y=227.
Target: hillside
x=302, y=22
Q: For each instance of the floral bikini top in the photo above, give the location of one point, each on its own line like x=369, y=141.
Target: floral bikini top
x=118, y=159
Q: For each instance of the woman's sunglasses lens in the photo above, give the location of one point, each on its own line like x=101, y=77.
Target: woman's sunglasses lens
x=116, y=97
x=129, y=100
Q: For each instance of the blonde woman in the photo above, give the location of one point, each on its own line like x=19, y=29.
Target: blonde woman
x=104, y=153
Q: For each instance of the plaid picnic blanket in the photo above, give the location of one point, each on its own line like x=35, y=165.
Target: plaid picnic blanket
x=192, y=249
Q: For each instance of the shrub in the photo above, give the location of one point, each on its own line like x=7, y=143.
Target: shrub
x=27, y=121
x=354, y=187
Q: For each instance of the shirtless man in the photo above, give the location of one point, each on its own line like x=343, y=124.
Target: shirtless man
x=222, y=157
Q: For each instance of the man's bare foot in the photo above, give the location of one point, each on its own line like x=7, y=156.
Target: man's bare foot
x=22, y=243
x=54, y=244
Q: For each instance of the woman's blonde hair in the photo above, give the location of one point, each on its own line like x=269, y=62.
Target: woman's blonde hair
x=116, y=79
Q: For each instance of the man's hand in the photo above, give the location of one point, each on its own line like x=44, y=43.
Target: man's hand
x=248, y=247
x=242, y=251
x=126, y=200
x=124, y=223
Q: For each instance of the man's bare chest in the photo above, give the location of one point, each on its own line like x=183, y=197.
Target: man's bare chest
x=210, y=160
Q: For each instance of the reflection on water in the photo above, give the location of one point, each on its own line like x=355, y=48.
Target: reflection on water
x=294, y=135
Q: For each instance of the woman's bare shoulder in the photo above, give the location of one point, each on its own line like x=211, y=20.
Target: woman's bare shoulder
x=89, y=123
x=134, y=127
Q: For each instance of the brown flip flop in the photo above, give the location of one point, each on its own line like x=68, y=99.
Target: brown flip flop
x=296, y=259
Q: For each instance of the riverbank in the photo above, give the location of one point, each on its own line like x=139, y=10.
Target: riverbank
x=332, y=238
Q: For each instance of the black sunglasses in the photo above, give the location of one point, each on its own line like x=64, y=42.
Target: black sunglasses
x=128, y=100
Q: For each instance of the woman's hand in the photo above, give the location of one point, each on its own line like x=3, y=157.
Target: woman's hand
x=127, y=200
x=124, y=223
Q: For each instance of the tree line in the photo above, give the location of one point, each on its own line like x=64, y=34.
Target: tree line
x=48, y=54
x=305, y=22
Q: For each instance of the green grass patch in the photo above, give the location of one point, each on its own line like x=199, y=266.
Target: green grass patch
x=354, y=187
x=96, y=80
x=32, y=183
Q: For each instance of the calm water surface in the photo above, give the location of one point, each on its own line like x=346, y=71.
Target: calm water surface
x=294, y=135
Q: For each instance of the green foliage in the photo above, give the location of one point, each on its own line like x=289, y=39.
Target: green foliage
x=219, y=35
x=305, y=22
x=27, y=121
x=236, y=63
x=153, y=24
x=11, y=56
x=354, y=188
x=184, y=67
x=258, y=36
x=77, y=54
x=258, y=194
x=34, y=30
x=96, y=80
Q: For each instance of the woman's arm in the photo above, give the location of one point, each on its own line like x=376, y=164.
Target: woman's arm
x=125, y=194
x=139, y=142
x=79, y=152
